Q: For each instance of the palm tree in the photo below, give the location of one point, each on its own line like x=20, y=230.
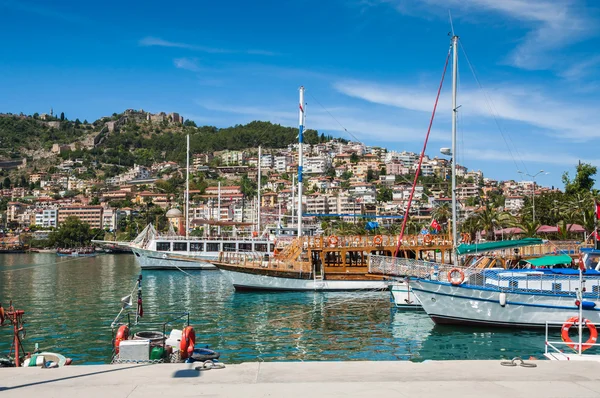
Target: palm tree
x=487, y=218
x=529, y=228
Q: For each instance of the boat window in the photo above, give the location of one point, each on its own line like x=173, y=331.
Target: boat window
x=596, y=289
x=213, y=247
x=245, y=247
x=260, y=247
x=179, y=246
x=163, y=246
x=196, y=246
x=229, y=247
x=556, y=287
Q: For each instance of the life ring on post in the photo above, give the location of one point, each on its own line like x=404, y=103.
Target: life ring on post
x=378, y=240
x=452, y=279
x=333, y=240
x=188, y=340
x=122, y=334
x=564, y=334
x=427, y=239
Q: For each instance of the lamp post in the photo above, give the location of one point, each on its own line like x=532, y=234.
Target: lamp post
x=533, y=190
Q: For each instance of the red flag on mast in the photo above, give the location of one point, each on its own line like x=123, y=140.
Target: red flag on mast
x=597, y=209
x=435, y=225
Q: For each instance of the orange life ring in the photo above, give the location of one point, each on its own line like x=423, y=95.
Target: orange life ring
x=564, y=334
x=378, y=240
x=465, y=237
x=188, y=340
x=122, y=334
x=333, y=240
x=455, y=281
x=427, y=239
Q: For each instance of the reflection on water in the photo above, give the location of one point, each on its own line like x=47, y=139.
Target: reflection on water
x=69, y=304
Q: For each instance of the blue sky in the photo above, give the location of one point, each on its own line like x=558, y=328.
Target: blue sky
x=372, y=64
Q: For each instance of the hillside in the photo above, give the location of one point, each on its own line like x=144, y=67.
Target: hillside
x=22, y=135
x=131, y=138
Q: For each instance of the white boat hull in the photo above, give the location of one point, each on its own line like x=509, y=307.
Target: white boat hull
x=150, y=259
x=403, y=297
x=449, y=304
x=249, y=281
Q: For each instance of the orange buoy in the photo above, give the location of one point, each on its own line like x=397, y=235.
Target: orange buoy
x=378, y=240
x=456, y=281
x=188, y=340
x=333, y=240
x=564, y=334
x=122, y=334
x=427, y=239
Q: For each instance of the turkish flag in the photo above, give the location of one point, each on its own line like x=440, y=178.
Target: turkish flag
x=597, y=209
x=435, y=225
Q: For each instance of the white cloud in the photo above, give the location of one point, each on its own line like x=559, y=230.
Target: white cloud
x=572, y=120
x=552, y=24
x=582, y=69
x=190, y=64
x=151, y=41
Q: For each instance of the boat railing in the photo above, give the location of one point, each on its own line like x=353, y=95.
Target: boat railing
x=349, y=241
x=261, y=260
x=535, y=282
x=408, y=267
x=553, y=347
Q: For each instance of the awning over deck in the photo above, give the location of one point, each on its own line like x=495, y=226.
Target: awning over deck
x=502, y=244
x=548, y=261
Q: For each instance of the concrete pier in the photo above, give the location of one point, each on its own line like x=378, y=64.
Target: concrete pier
x=309, y=379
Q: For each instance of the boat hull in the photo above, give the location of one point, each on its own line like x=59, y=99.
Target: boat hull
x=403, y=297
x=153, y=260
x=252, y=281
x=469, y=305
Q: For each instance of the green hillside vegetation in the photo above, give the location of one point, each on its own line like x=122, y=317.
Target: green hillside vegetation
x=145, y=143
x=18, y=133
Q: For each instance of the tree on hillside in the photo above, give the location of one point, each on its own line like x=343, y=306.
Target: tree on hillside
x=6, y=183
x=71, y=233
x=62, y=116
x=583, y=181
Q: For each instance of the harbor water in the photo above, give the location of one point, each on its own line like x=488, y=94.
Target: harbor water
x=69, y=304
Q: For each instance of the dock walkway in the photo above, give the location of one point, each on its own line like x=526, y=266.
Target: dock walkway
x=309, y=379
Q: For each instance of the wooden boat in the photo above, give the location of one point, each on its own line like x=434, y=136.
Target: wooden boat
x=327, y=263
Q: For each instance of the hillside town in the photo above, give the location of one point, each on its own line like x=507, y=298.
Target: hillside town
x=346, y=180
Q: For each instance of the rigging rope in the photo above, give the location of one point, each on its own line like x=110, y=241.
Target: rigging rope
x=494, y=113
x=333, y=117
x=412, y=192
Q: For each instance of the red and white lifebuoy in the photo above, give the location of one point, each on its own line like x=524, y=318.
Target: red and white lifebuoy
x=454, y=280
x=564, y=334
x=122, y=334
x=188, y=340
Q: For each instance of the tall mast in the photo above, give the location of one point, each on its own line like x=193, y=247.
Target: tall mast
x=219, y=209
x=300, y=161
x=454, y=114
x=187, y=190
x=259, y=183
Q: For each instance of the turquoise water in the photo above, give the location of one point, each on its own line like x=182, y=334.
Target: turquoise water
x=70, y=303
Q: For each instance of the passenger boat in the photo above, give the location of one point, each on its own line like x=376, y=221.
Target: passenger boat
x=522, y=297
x=323, y=263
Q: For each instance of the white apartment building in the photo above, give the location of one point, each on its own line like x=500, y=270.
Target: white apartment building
x=316, y=164
x=282, y=162
x=47, y=218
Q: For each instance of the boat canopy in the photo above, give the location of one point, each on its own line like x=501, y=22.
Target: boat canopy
x=547, y=261
x=502, y=244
